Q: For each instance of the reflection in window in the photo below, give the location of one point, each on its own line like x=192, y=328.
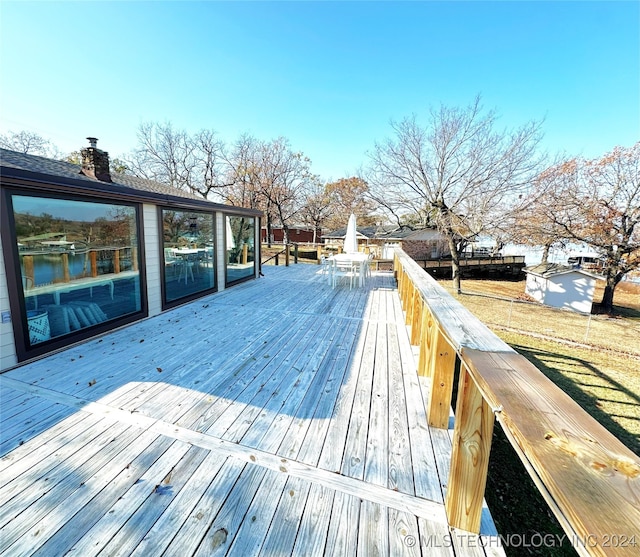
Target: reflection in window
x=240, y=235
x=78, y=262
x=189, y=262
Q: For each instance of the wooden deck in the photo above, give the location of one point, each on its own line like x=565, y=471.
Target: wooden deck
x=279, y=417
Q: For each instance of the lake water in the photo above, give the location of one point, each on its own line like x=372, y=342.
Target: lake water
x=48, y=268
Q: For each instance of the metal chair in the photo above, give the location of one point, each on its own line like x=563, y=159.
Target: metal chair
x=343, y=269
x=187, y=265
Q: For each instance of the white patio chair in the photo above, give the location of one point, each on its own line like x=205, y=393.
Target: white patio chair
x=343, y=270
x=171, y=262
x=367, y=266
x=326, y=265
x=187, y=265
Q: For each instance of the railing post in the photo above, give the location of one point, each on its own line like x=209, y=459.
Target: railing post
x=426, y=342
x=65, y=267
x=93, y=258
x=276, y=259
x=407, y=292
x=295, y=253
x=286, y=255
x=319, y=254
x=408, y=301
x=416, y=317
x=441, y=370
x=469, y=456
x=29, y=268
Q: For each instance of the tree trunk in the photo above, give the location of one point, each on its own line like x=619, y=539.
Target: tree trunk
x=613, y=275
x=269, y=231
x=455, y=262
x=613, y=279
x=545, y=254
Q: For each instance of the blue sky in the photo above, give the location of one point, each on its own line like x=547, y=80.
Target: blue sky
x=329, y=76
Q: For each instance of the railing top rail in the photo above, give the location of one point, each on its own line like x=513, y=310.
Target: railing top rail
x=283, y=250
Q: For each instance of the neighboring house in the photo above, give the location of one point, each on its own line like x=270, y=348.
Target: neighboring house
x=421, y=245
x=364, y=236
x=561, y=286
x=84, y=251
x=426, y=244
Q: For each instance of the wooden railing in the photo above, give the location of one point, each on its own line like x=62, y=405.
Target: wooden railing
x=590, y=480
x=116, y=254
x=276, y=257
x=308, y=253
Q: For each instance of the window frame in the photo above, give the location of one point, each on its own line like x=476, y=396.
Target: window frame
x=256, y=250
x=168, y=304
x=17, y=302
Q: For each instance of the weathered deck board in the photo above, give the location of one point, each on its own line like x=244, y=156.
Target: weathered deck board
x=138, y=476
x=279, y=417
x=185, y=522
x=314, y=523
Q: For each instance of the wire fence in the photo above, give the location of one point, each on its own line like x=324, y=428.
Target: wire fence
x=598, y=331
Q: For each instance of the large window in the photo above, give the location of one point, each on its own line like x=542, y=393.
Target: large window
x=240, y=241
x=189, y=260
x=79, y=264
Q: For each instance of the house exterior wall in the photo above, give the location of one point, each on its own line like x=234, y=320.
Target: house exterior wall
x=117, y=275
x=424, y=250
x=153, y=263
x=296, y=235
x=8, y=356
x=152, y=258
x=221, y=248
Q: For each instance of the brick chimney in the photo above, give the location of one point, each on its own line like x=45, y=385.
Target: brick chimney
x=95, y=162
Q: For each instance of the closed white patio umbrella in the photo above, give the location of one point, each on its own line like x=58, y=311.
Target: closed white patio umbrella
x=350, y=240
x=229, y=234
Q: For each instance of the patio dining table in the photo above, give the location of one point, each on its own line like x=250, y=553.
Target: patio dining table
x=189, y=257
x=358, y=262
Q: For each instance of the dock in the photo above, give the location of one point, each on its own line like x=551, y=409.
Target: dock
x=278, y=417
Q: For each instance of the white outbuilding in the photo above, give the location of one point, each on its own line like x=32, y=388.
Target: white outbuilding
x=561, y=286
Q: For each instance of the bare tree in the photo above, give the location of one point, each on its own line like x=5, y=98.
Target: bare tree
x=457, y=169
x=270, y=176
x=284, y=176
x=531, y=223
x=317, y=208
x=29, y=142
x=194, y=163
x=243, y=176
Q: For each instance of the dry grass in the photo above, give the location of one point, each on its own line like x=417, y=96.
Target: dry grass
x=501, y=304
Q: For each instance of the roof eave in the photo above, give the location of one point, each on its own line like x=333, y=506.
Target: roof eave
x=20, y=177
